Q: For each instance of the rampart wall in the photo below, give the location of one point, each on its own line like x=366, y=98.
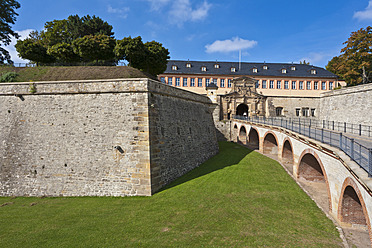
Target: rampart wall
x=351, y=105
x=100, y=137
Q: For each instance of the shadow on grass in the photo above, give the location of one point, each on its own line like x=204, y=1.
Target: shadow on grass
x=229, y=154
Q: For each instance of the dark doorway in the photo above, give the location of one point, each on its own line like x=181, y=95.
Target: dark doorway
x=253, y=138
x=352, y=210
x=241, y=109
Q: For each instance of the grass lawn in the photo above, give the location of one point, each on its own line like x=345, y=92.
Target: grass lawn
x=239, y=198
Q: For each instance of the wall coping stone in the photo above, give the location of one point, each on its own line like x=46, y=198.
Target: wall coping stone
x=348, y=90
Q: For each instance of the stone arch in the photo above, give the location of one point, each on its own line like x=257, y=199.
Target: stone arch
x=351, y=206
x=270, y=143
x=242, y=135
x=241, y=109
x=253, y=138
x=311, y=168
x=287, y=154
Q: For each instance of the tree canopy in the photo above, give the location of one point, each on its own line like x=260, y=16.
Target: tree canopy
x=7, y=17
x=355, y=59
x=90, y=39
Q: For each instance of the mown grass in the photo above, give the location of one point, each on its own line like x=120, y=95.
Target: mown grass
x=61, y=73
x=238, y=198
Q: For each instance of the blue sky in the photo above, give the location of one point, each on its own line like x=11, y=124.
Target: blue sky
x=271, y=30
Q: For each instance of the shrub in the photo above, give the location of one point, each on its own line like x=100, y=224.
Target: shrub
x=8, y=77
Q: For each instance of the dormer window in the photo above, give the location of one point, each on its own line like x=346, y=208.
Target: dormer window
x=233, y=69
x=216, y=66
x=203, y=68
x=188, y=65
x=174, y=68
x=264, y=67
x=313, y=71
x=284, y=70
x=254, y=70
x=293, y=68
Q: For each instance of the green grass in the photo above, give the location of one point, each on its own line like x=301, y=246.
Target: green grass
x=60, y=73
x=238, y=198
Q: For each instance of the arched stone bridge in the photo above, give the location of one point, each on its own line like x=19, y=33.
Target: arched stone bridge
x=347, y=186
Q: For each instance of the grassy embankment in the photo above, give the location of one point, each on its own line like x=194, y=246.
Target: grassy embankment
x=63, y=73
x=238, y=198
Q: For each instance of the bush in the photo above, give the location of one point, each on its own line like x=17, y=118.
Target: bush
x=8, y=77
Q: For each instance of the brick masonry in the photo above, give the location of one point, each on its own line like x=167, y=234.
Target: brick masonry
x=99, y=137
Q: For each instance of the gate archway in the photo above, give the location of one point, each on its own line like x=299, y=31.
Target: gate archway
x=241, y=109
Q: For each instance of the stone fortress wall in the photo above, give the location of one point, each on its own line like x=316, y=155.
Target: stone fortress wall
x=100, y=137
x=351, y=105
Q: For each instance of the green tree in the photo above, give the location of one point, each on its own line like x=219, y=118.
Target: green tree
x=63, y=52
x=355, y=58
x=7, y=17
x=304, y=62
x=95, y=47
x=150, y=57
x=33, y=50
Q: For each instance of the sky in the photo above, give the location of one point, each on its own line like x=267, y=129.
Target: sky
x=273, y=31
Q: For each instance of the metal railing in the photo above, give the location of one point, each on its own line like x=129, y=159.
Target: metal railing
x=359, y=153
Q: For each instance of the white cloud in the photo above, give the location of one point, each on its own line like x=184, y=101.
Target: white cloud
x=235, y=44
x=315, y=58
x=11, y=49
x=122, y=12
x=364, y=14
x=182, y=11
x=157, y=4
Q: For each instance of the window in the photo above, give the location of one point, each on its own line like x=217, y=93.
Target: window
x=293, y=85
x=162, y=79
x=184, y=83
x=177, y=81
x=170, y=81
x=188, y=65
x=192, y=82
x=264, y=67
x=330, y=85
x=313, y=71
x=279, y=111
x=257, y=84
x=284, y=71
x=312, y=112
x=200, y=82
x=222, y=83
x=215, y=81
x=203, y=68
x=293, y=68
x=216, y=66
x=323, y=85
x=315, y=85
x=263, y=84
x=271, y=85
x=298, y=111
x=278, y=84
x=308, y=85
x=233, y=69
x=254, y=70
x=286, y=85
x=305, y=112
x=229, y=83
x=301, y=86
x=207, y=80
x=174, y=67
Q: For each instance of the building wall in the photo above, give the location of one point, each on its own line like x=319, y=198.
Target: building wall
x=97, y=138
x=290, y=104
x=351, y=105
x=317, y=86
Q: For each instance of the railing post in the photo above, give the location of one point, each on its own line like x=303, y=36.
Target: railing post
x=333, y=125
x=309, y=130
x=281, y=122
x=341, y=141
x=352, y=148
x=310, y=123
x=322, y=136
x=360, y=129
x=323, y=124
x=299, y=128
x=344, y=127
